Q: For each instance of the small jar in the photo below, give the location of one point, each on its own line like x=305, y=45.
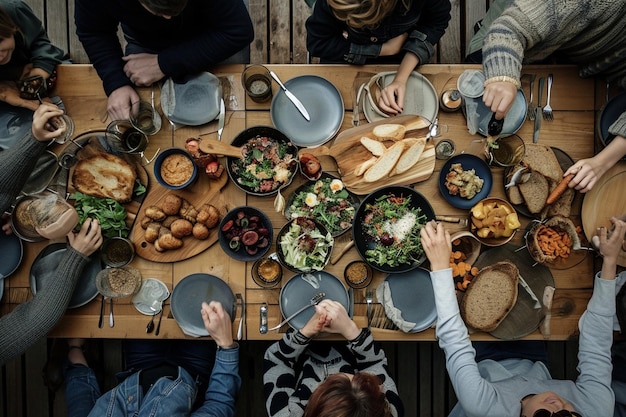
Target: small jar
x=117, y=252
x=444, y=149
x=451, y=100
x=358, y=274
x=267, y=272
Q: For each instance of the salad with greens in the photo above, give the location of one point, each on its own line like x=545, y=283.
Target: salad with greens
x=327, y=201
x=393, y=225
x=304, y=246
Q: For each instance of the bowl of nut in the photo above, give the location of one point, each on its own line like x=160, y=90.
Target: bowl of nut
x=493, y=221
x=118, y=282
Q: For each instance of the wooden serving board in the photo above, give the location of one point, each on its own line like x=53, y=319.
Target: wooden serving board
x=202, y=191
x=605, y=200
x=348, y=153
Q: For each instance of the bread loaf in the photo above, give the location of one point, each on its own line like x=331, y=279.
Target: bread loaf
x=541, y=158
x=375, y=147
x=410, y=156
x=385, y=163
x=389, y=131
x=106, y=176
x=490, y=296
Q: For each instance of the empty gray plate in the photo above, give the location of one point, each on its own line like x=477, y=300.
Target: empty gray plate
x=12, y=250
x=194, y=102
x=412, y=293
x=323, y=102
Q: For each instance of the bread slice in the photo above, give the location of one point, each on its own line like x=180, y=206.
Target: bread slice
x=490, y=296
x=106, y=176
x=514, y=195
x=561, y=207
x=535, y=192
x=385, y=163
x=364, y=166
x=389, y=131
x=542, y=159
x=375, y=147
x=409, y=157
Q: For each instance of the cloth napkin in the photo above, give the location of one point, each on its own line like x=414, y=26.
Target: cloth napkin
x=383, y=293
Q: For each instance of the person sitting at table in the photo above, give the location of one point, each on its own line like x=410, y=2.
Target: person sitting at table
x=378, y=32
x=163, y=377
x=25, y=51
x=307, y=378
x=32, y=320
x=165, y=38
x=520, y=387
x=586, y=33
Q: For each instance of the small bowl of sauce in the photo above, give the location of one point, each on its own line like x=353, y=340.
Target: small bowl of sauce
x=267, y=272
x=358, y=274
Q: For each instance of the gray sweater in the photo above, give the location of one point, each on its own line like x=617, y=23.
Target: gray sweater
x=589, y=33
x=32, y=320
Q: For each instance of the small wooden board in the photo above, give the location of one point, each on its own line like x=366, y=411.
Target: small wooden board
x=348, y=153
x=202, y=191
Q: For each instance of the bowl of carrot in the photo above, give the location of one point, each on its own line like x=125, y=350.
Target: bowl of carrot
x=465, y=251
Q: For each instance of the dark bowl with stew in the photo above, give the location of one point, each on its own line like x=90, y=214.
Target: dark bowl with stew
x=268, y=164
x=245, y=233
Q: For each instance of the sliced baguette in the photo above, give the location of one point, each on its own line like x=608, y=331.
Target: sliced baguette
x=375, y=147
x=389, y=131
x=364, y=166
x=410, y=157
x=385, y=163
x=490, y=296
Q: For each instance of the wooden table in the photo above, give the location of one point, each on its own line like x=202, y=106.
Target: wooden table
x=80, y=88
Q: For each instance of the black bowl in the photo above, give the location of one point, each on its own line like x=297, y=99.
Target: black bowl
x=235, y=164
x=159, y=161
x=468, y=162
x=364, y=242
x=240, y=222
x=294, y=268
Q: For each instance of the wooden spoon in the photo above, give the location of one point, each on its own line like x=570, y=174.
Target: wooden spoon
x=220, y=148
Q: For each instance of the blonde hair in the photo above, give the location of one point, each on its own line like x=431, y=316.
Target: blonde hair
x=359, y=14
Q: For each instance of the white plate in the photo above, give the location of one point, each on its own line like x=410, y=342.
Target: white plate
x=151, y=290
x=194, y=102
x=412, y=293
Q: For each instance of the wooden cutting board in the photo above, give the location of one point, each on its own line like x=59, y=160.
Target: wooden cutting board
x=605, y=200
x=348, y=153
x=202, y=191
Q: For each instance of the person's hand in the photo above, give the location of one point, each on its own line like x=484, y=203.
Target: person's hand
x=217, y=323
x=587, y=172
x=88, y=239
x=6, y=225
x=42, y=129
x=315, y=324
x=337, y=319
x=122, y=103
x=392, y=97
x=437, y=245
x=143, y=69
x=499, y=97
x=10, y=94
x=394, y=45
x=610, y=243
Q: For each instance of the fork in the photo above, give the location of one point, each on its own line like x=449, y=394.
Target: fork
x=369, y=298
x=530, y=112
x=314, y=301
x=547, y=110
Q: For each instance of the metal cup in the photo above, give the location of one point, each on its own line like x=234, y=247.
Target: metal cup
x=508, y=151
x=257, y=82
x=147, y=120
x=117, y=252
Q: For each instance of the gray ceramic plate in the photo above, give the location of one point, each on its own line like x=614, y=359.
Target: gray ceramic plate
x=412, y=293
x=12, y=250
x=44, y=266
x=297, y=292
x=188, y=296
x=194, y=102
x=512, y=122
x=323, y=102
x=42, y=174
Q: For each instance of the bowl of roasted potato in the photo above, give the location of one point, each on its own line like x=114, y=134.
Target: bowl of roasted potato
x=493, y=221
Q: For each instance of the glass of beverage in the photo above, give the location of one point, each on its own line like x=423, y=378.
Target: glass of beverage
x=507, y=151
x=147, y=120
x=257, y=82
x=124, y=137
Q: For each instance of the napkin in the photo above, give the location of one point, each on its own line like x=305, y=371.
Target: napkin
x=383, y=293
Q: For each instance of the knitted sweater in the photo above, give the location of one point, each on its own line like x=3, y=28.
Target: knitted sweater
x=32, y=44
x=589, y=33
x=32, y=320
x=294, y=367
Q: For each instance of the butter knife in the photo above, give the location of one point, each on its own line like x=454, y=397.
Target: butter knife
x=538, y=111
x=220, y=121
x=530, y=292
x=292, y=97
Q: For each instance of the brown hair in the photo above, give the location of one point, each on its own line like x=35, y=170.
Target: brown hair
x=338, y=396
x=359, y=14
x=165, y=7
x=8, y=28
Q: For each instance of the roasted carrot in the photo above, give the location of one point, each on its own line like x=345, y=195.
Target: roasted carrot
x=559, y=189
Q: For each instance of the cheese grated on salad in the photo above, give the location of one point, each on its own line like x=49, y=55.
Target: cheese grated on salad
x=401, y=227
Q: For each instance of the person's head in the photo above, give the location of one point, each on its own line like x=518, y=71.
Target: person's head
x=547, y=404
x=359, y=14
x=164, y=8
x=8, y=29
x=344, y=395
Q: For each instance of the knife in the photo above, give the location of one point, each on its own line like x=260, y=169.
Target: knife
x=292, y=97
x=220, y=121
x=530, y=292
x=538, y=111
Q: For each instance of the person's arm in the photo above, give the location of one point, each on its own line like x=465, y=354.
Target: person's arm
x=326, y=36
x=432, y=24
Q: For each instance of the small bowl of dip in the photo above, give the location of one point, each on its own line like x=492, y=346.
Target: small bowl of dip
x=267, y=272
x=358, y=274
x=175, y=169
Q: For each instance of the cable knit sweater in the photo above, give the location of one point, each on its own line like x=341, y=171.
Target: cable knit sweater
x=32, y=320
x=294, y=367
x=590, y=33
